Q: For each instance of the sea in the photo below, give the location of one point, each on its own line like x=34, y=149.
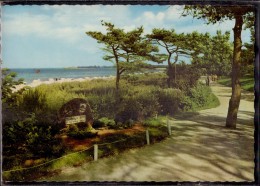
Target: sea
x=44, y=74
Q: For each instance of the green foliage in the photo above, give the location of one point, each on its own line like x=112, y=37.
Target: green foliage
x=247, y=59
x=103, y=122
x=152, y=122
x=74, y=159
x=155, y=79
x=214, y=14
x=175, y=46
x=132, y=102
x=214, y=53
x=157, y=134
x=247, y=83
x=187, y=77
x=32, y=100
x=127, y=50
x=138, y=103
x=8, y=84
x=241, y=15
x=30, y=138
x=125, y=142
x=169, y=100
x=199, y=97
x=77, y=133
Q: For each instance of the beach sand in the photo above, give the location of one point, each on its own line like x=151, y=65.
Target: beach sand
x=38, y=82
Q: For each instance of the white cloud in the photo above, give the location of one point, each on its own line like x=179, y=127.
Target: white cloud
x=68, y=23
x=174, y=12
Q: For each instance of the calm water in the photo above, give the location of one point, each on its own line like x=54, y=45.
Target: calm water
x=46, y=73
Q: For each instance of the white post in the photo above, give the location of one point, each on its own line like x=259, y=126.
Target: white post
x=156, y=116
x=169, y=127
x=95, y=152
x=147, y=137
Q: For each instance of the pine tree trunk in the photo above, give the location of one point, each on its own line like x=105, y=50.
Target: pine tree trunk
x=170, y=72
x=175, y=73
x=236, y=87
x=117, y=78
x=170, y=76
x=117, y=69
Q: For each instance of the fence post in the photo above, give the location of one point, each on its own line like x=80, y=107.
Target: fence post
x=147, y=137
x=169, y=127
x=95, y=152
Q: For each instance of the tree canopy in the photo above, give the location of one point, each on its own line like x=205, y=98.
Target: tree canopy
x=129, y=51
x=176, y=46
x=241, y=15
x=216, y=54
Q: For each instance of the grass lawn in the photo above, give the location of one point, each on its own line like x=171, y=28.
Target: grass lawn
x=247, y=83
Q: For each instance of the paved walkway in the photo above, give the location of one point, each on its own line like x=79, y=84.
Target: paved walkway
x=200, y=149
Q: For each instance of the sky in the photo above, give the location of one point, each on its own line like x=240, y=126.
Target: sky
x=44, y=36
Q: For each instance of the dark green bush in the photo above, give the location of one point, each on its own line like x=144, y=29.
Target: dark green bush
x=98, y=124
x=169, y=100
x=30, y=138
x=186, y=77
x=103, y=122
x=139, y=102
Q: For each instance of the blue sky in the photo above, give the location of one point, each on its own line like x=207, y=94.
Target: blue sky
x=54, y=36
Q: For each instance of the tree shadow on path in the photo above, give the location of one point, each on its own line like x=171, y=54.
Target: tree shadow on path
x=196, y=151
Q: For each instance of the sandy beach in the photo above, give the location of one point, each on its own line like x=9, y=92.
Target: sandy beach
x=38, y=82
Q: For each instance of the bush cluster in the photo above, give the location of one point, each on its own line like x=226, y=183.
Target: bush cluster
x=31, y=138
x=130, y=103
x=199, y=97
x=187, y=77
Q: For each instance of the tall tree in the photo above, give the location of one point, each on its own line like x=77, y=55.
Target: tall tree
x=175, y=45
x=127, y=50
x=214, y=14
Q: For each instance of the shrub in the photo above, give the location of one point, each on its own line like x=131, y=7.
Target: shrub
x=138, y=103
x=169, y=100
x=30, y=138
x=199, y=97
x=186, y=77
x=102, y=122
x=102, y=105
x=98, y=124
x=77, y=133
x=8, y=83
